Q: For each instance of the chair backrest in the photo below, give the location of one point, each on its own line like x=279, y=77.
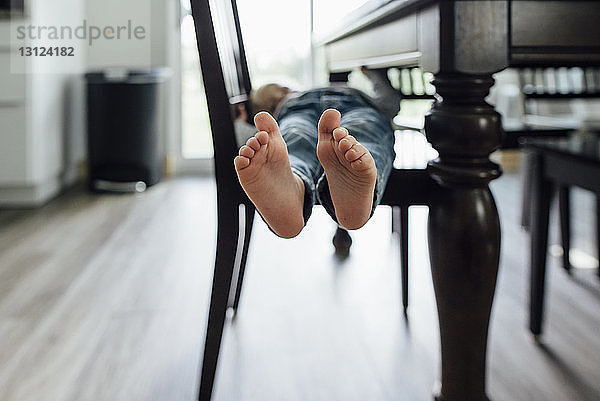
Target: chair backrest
x=226, y=83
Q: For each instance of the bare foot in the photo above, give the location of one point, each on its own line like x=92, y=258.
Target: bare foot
x=263, y=168
x=350, y=171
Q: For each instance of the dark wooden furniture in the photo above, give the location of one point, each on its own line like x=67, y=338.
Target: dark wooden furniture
x=564, y=205
x=535, y=85
x=415, y=182
x=547, y=84
x=463, y=43
x=226, y=83
x=564, y=162
x=419, y=188
x=528, y=172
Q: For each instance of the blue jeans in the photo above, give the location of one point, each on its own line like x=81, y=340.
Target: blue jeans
x=298, y=119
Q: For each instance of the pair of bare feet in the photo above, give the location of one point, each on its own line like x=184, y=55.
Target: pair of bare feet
x=263, y=168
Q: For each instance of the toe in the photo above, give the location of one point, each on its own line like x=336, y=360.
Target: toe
x=241, y=162
x=362, y=163
x=330, y=120
x=253, y=143
x=346, y=143
x=247, y=151
x=265, y=122
x=340, y=133
x=355, y=152
x=262, y=137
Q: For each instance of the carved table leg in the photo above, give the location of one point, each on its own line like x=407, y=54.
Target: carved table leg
x=464, y=229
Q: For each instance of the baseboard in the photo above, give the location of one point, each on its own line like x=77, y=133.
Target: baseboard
x=36, y=195
x=30, y=196
x=194, y=167
x=73, y=175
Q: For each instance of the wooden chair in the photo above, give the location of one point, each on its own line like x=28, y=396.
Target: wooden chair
x=553, y=84
x=226, y=83
x=413, y=85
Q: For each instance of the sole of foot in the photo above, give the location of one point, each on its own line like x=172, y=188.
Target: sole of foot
x=350, y=170
x=264, y=171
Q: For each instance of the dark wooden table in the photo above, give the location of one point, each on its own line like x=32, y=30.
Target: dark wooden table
x=463, y=43
x=565, y=162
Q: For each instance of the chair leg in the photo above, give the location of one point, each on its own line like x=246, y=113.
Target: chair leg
x=540, y=211
x=565, y=224
x=527, y=177
x=396, y=224
x=404, y=255
x=227, y=239
x=248, y=223
x=342, y=241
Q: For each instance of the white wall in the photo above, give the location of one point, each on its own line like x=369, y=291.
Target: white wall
x=124, y=52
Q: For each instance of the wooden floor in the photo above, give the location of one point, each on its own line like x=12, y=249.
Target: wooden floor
x=105, y=298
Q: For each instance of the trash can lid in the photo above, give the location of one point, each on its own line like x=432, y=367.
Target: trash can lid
x=129, y=76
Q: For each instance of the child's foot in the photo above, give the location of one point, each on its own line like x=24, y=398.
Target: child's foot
x=263, y=168
x=350, y=171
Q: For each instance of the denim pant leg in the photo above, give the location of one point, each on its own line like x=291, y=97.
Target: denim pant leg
x=375, y=133
x=298, y=126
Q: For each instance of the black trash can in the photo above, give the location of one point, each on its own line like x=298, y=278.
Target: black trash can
x=123, y=134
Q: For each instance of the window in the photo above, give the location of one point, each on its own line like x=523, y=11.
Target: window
x=196, y=141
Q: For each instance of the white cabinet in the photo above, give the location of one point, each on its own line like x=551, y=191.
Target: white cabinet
x=13, y=85
x=13, y=145
x=14, y=171
x=34, y=123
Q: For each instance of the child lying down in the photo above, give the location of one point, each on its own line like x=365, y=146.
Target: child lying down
x=333, y=145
